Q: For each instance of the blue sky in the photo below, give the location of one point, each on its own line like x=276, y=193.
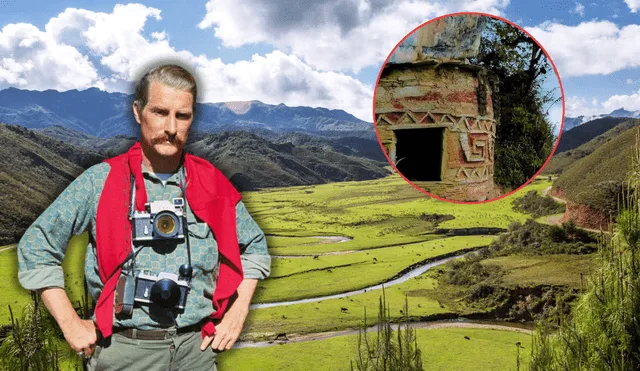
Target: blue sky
x=319, y=53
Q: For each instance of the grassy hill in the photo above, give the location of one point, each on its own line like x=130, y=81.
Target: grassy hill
x=35, y=166
x=595, y=179
x=562, y=161
x=34, y=169
x=253, y=162
x=579, y=135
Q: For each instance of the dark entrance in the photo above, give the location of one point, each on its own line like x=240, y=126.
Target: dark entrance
x=419, y=153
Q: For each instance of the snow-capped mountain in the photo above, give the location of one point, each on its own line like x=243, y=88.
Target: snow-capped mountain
x=572, y=122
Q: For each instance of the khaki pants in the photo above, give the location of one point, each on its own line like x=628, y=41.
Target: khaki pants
x=175, y=352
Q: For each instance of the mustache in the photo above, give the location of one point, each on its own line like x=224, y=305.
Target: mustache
x=159, y=140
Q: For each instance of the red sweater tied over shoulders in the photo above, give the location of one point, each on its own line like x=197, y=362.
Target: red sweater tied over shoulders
x=210, y=196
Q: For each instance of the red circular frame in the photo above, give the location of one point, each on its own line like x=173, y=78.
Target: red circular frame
x=375, y=91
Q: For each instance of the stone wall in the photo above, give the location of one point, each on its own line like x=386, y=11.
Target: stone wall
x=454, y=96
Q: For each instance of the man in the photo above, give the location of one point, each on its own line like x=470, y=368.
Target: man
x=220, y=257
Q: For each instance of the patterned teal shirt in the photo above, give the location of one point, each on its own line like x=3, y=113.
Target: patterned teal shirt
x=42, y=248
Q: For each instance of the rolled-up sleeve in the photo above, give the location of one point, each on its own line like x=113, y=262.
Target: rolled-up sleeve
x=256, y=261
x=43, y=245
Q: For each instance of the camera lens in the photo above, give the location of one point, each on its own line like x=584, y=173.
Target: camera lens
x=165, y=224
x=165, y=293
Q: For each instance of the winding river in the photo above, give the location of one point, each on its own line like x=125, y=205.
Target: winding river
x=405, y=277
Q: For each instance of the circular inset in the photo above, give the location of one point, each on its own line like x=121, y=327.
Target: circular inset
x=461, y=107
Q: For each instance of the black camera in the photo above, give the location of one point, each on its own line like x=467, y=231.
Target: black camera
x=165, y=290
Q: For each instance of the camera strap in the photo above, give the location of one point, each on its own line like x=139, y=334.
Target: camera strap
x=185, y=227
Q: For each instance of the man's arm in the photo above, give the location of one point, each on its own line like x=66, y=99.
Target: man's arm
x=256, y=265
x=80, y=334
x=41, y=251
x=256, y=261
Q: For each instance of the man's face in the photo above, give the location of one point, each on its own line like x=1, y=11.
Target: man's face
x=165, y=120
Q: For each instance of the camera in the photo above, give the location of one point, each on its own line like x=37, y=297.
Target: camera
x=161, y=220
x=166, y=290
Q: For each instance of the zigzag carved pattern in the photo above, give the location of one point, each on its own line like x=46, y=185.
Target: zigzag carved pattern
x=474, y=173
x=455, y=123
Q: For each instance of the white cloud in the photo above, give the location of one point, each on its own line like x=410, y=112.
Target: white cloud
x=115, y=37
x=633, y=5
x=278, y=77
x=595, y=47
x=50, y=59
x=579, y=106
x=330, y=34
x=159, y=36
x=32, y=59
x=629, y=102
x=579, y=9
x=555, y=117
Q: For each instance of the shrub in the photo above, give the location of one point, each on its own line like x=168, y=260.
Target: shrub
x=32, y=342
x=537, y=205
x=390, y=350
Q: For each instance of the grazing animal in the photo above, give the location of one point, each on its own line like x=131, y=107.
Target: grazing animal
x=468, y=338
x=375, y=260
x=316, y=256
x=344, y=310
x=329, y=270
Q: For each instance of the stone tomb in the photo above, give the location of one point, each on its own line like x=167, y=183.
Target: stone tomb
x=435, y=120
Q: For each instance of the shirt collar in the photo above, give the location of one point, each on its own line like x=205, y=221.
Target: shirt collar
x=174, y=178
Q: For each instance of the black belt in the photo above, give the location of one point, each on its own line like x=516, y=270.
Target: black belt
x=133, y=333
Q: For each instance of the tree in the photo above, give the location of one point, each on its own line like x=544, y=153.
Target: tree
x=518, y=67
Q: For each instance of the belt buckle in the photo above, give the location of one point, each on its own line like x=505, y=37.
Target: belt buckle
x=171, y=332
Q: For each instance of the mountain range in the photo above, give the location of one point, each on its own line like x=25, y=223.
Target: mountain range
x=572, y=122
x=102, y=114
x=36, y=165
x=581, y=134
x=51, y=137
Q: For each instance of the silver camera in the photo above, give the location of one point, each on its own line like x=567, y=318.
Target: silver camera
x=165, y=290
x=161, y=220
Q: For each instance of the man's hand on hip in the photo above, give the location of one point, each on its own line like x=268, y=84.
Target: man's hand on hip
x=227, y=330
x=230, y=326
x=80, y=334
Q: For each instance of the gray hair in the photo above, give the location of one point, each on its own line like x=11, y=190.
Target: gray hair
x=171, y=75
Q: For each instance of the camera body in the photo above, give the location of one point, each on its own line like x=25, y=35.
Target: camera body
x=166, y=290
x=161, y=220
